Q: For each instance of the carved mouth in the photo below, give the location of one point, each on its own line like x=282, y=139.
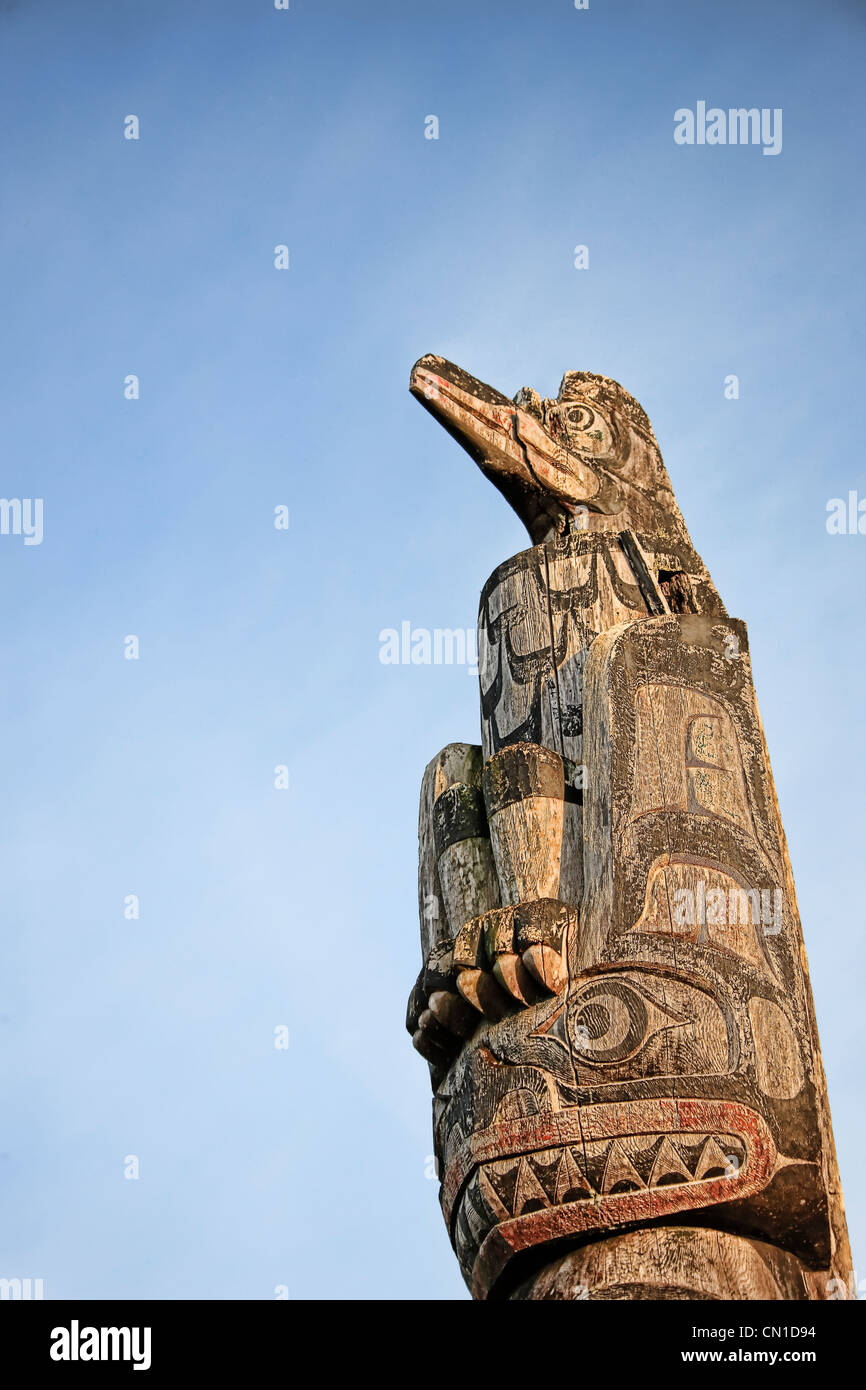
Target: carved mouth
x=607, y=1168
x=542, y=1178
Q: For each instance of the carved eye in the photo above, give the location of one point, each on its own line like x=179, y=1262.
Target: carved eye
x=611, y=1021
x=580, y=417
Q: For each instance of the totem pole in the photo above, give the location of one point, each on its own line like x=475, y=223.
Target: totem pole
x=629, y=1100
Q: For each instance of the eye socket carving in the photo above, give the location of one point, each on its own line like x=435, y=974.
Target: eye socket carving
x=580, y=417
x=566, y=420
x=611, y=1021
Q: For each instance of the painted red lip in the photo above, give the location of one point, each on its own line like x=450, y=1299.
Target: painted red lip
x=540, y=1178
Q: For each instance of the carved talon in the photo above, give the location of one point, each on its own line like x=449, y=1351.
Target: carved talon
x=483, y=993
x=452, y=1013
x=472, y=955
x=514, y=977
x=438, y=1019
x=429, y=1050
x=546, y=967
x=438, y=1035
x=540, y=931
x=501, y=931
x=512, y=955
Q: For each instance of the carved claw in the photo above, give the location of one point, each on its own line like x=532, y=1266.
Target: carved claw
x=452, y=1013
x=513, y=976
x=483, y=993
x=546, y=967
x=513, y=955
x=509, y=957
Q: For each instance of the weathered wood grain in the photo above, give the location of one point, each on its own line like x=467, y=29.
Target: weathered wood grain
x=629, y=1097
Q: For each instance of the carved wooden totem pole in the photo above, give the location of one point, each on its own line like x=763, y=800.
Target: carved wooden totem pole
x=629, y=1099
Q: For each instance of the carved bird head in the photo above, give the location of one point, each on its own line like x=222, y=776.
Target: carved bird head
x=590, y=452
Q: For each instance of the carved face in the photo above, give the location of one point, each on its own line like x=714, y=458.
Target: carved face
x=618, y=1102
x=592, y=448
x=671, y=1075
x=599, y=423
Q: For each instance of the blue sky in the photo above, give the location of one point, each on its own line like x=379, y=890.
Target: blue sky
x=306, y=1167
